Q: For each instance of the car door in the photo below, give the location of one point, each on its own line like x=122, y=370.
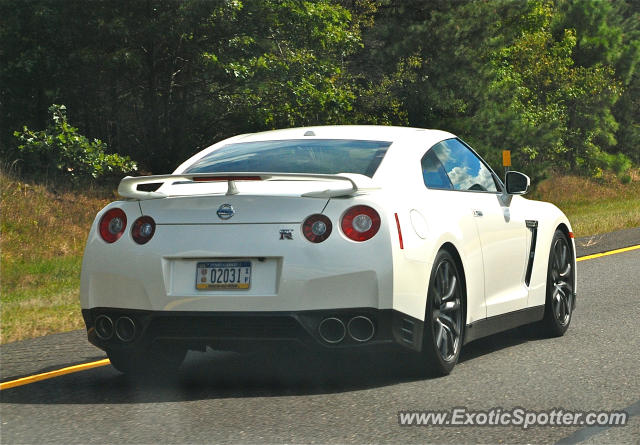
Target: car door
x=500, y=226
x=453, y=215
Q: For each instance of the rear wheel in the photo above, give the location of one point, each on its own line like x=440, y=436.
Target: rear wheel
x=560, y=277
x=444, y=316
x=146, y=362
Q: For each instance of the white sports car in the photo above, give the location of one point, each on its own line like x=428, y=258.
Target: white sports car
x=336, y=237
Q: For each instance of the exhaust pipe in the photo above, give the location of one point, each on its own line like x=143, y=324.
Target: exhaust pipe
x=125, y=329
x=332, y=330
x=361, y=328
x=104, y=327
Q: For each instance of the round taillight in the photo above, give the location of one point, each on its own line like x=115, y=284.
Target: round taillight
x=317, y=228
x=112, y=225
x=360, y=223
x=143, y=229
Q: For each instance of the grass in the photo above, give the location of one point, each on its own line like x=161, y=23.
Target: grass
x=44, y=229
x=593, y=206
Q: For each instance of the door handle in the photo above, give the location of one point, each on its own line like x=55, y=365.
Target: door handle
x=477, y=213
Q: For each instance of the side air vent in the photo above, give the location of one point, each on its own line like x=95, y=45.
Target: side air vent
x=533, y=226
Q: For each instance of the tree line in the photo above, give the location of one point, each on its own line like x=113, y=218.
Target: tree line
x=555, y=81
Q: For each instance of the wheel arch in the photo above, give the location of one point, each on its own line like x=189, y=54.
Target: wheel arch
x=570, y=239
x=449, y=247
x=467, y=254
x=433, y=357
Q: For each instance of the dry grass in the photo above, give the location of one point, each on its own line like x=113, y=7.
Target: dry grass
x=51, y=220
x=43, y=231
x=37, y=316
x=594, y=206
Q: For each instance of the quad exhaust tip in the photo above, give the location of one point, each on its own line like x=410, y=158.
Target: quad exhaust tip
x=104, y=327
x=125, y=329
x=361, y=328
x=332, y=330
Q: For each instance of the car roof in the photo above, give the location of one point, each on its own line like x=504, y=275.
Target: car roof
x=359, y=132
x=405, y=141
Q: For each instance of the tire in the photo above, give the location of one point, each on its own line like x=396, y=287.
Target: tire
x=133, y=362
x=559, y=302
x=444, y=317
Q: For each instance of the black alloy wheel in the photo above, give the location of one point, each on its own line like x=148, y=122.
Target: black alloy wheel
x=444, y=316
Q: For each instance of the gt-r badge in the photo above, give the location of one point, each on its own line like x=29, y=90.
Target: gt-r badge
x=286, y=234
x=225, y=211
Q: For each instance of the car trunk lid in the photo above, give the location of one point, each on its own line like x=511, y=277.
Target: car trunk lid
x=231, y=209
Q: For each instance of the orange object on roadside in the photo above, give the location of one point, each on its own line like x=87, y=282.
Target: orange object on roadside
x=506, y=158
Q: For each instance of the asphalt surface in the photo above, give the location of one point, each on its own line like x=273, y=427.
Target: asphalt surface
x=589, y=245
x=220, y=397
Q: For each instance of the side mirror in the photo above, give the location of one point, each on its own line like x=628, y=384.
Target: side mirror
x=517, y=183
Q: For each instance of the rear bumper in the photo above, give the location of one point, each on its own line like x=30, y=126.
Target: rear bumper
x=241, y=331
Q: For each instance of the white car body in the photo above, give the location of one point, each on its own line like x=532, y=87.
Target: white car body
x=488, y=231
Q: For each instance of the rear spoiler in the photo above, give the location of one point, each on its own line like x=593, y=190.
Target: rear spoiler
x=128, y=187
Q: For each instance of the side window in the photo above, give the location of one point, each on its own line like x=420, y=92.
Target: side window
x=433, y=172
x=465, y=170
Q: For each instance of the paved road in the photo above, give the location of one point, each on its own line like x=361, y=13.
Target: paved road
x=588, y=245
x=228, y=398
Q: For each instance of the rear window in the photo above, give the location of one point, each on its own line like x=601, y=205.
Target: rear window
x=324, y=156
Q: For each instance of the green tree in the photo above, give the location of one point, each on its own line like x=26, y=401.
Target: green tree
x=68, y=153
x=608, y=35
x=559, y=113
x=287, y=66
x=428, y=64
x=554, y=80
x=504, y=74
x=159, y=79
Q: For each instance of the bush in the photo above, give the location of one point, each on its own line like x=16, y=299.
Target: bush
x=68, y=152
x=625, y=178
x=618, y=163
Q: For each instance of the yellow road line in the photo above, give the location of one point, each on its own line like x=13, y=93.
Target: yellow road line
x=90, y=365
x=610, y=252
x=52, y=374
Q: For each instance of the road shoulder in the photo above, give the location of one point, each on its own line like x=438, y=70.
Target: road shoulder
x=589, y=245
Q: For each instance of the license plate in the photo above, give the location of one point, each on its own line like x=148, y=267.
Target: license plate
x=223, y=275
